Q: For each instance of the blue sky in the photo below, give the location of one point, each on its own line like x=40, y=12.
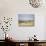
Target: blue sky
x=25, y=17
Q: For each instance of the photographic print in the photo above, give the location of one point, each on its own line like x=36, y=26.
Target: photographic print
x=26, y=19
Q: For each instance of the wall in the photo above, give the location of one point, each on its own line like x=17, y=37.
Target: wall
x=11, y=8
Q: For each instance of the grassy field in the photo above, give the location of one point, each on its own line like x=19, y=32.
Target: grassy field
x=26, y=23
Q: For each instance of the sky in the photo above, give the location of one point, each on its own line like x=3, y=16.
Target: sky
x=25, y=17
